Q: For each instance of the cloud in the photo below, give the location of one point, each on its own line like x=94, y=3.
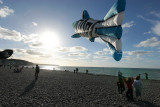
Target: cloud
x=103, y=57
x=156, y=29
x=128, y=24
x=34, y=52
x=156, y=23
x=79, y=54
x=5, y=11
x=34, y=23
x=1, y=2
x=72, y=49
x=36, y=44
x=30, y=38
x=106, y=49
x=146, y=19
x=64, y=49
x=77, y=48
x=155, y=14
x=10, y=35
x=100, y=53
x=149, y=32
x=18, y=50
x=138, y=52
x=152, y=42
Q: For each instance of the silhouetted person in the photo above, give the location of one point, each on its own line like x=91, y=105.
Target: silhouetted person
x=146, y=76
x=36, y=71
x=120, y=83
x=86, y=71
x=76, y=70
x=129, y=81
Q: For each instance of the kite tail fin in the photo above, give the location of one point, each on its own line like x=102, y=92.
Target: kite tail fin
x=117, y=7
x=115, y=46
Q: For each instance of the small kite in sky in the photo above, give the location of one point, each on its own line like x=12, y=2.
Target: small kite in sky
x=109, y=29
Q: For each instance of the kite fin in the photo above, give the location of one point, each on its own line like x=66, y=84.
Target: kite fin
x=76, y=36
x=117, y=7
x=115, y=45
x=115, y=31
x=85, y=15
x=117, y=55
x=92, y=39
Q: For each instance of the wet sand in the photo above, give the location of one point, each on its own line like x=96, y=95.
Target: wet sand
x=67, y=89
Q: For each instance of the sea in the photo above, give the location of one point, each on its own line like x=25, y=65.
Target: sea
x=153, y=74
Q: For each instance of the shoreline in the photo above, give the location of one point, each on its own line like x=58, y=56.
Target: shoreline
x=60, y=88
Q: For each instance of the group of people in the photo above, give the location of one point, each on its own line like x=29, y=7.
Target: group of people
x=76, y=70
x=131, y=84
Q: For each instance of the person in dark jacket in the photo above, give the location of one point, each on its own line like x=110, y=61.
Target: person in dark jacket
x=36, y=71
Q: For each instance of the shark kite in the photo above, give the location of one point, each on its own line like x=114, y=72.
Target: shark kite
x=109, y=29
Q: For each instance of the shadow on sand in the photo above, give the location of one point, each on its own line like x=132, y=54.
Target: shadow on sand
x=28, y=88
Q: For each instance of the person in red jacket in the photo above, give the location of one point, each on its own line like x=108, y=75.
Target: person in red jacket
x=129, y=81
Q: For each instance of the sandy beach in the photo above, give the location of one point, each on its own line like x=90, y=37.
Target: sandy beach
x=65, y=89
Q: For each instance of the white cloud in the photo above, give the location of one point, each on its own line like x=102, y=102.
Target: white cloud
x=156, y=29
x=36, y=44
x=1, y=2
x=72, y=49
x=103, y=58
x=34, y=24
x=106, y=49
x=152, y=42
x=155, y=14
x=10, y=35
x=128, y=24
x=138, y=52
x=100, y=53
x=64, y=49
x=18, y=50
x=30, y=38
x=34, y=52
x=77, y=48
x=5, y=11
x=79, y=54
x=156, y=23
x=146, y=19
x=149, y=32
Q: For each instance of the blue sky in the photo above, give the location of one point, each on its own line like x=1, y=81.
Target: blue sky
x=40, y=31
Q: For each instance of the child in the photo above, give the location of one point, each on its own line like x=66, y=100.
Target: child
x=129, y=81
x=138, y=86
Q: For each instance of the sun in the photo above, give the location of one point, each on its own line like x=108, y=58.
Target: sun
x=49, y=39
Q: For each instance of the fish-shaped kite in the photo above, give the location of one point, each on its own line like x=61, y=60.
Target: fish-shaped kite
x=109, y=29
x=6, y=54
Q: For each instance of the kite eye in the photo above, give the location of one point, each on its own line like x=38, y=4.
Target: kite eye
x=74, y=24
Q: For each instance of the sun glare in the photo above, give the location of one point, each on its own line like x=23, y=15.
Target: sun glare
x=49, y=39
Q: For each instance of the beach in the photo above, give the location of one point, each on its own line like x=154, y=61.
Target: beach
x=68, y=89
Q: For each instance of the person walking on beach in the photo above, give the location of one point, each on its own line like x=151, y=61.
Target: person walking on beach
x=87, y=71
x=146, y=76
x=120, y=83
x=76, y=70
x=36, y=71
x=137, y=86
x=129, y=81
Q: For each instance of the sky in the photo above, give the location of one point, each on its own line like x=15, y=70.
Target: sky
x=40, y=31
